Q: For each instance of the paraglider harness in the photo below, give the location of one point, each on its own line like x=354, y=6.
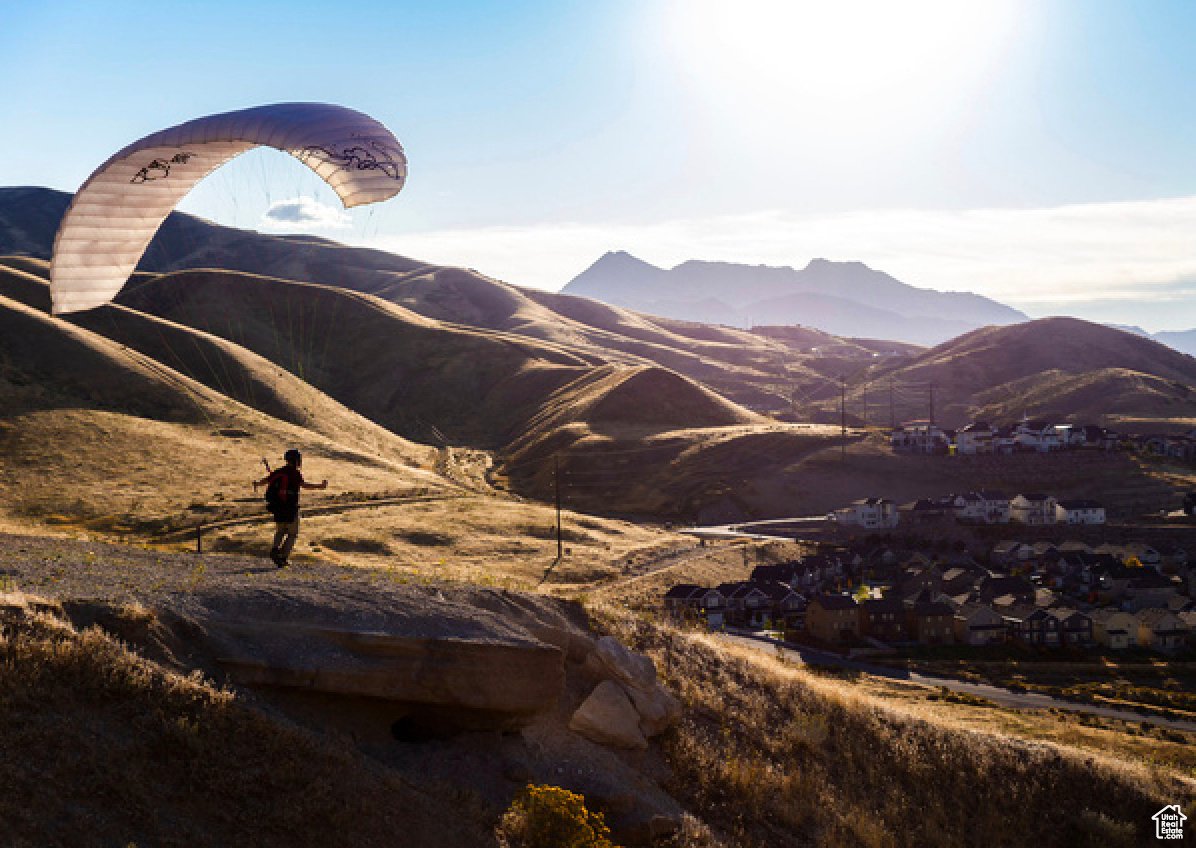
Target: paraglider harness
x=281, y=494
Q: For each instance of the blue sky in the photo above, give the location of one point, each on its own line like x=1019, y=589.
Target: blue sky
x=1036, y=152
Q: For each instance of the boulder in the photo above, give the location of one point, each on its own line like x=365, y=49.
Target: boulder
x=611, y=660
x=609, y=718
x=512, y=678
x=432, y=651
x=657, y=707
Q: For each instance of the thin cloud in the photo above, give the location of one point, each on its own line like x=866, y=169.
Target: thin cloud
x=1140, y=255
x=306, y=213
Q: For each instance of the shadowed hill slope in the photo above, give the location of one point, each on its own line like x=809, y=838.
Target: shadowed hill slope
x=744, y=367
x=1129, y=398
x=1062, y=368
x=231, y=371
x=96, y=430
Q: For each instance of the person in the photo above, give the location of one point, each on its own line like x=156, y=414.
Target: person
x=286, y=517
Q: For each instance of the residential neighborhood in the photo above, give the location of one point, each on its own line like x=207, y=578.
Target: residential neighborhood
x=981, y=437
x=1068, y=595
x=1033, y=509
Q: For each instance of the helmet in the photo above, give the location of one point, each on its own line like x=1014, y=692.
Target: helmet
x=293, y=456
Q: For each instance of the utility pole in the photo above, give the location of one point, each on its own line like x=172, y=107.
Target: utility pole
x=931, y=385
x=556, y=478
x=843, y=411
x=865, y=404
x=892, y=412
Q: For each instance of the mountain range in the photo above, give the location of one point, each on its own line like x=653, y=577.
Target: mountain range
x=842, y=298
x=646, y=415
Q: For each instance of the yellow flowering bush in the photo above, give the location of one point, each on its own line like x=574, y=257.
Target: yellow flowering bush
x=551, y=817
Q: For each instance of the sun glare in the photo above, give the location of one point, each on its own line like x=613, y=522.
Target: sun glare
x=836, y=60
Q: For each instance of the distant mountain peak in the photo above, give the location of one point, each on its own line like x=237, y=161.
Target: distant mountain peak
x=845, y=298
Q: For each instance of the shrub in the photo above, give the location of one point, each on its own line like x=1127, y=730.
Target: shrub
x=551, y=817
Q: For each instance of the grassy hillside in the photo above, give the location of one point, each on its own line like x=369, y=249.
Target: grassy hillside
x=1060, y=368
x=1119, y=397
x=102, y=747
x=770, y=755
x=765, y=755
x=746, y=368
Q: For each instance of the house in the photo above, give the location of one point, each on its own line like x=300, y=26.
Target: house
x=1041, y=436
x=918, y=437
x=1189, y=618
x=996, y=506
x=1079, y=511
x=927, y=511
x=869, y=513
x=697, y=601
x=1114, y=628
x=1032, y=625
x=1022, y=590
x=678, y=597
x=1004, y=440
x=1161, y=630
x=1075, y=627
x=833, y=618
x=976, y=624
x=788, y=607
x=914, y=579
x=749, y=604
x=976, y=438
x=969, y=508
x=1005, y=552
x=958, y=580
x=1034, y=509
x=1149, y=589
x=931, y=623
x=883, y=619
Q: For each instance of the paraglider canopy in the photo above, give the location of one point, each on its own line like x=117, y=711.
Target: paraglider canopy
x=116, y=212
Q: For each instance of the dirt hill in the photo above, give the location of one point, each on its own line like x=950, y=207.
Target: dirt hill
x=744, y=367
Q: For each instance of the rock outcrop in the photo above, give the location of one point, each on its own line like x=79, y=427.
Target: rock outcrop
x=657, y=707
x=628, y=689
x=509, y=678
x=609, y=718
x=610, y=659
x=452, y=654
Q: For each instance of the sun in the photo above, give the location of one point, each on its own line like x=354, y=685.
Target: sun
x=830, y=61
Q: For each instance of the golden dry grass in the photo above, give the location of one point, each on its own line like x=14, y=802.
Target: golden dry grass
x=770, y=755
x=101, y=747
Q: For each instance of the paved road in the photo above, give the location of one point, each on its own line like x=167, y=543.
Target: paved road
x=1004, y=697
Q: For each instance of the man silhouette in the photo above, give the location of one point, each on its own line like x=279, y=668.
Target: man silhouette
x=287, y=480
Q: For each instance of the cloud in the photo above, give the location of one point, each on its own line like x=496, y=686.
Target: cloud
x=1139, y=256
x=305, y=213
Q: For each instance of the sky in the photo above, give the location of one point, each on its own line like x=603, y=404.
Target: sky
x=1036, y=152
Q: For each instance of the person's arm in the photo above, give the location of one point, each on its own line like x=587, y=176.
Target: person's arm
x=306, y=485
x=261, y=482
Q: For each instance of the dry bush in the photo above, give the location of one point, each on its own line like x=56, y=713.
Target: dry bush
x=771, y=756
x=101, y=747
x=552, y=817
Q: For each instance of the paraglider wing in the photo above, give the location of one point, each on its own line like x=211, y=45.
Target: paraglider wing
x=118, y=209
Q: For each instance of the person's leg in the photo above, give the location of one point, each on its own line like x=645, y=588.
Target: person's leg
x=292, y=533
x=280, y=532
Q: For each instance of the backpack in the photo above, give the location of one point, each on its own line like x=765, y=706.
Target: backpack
x=275, y=495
